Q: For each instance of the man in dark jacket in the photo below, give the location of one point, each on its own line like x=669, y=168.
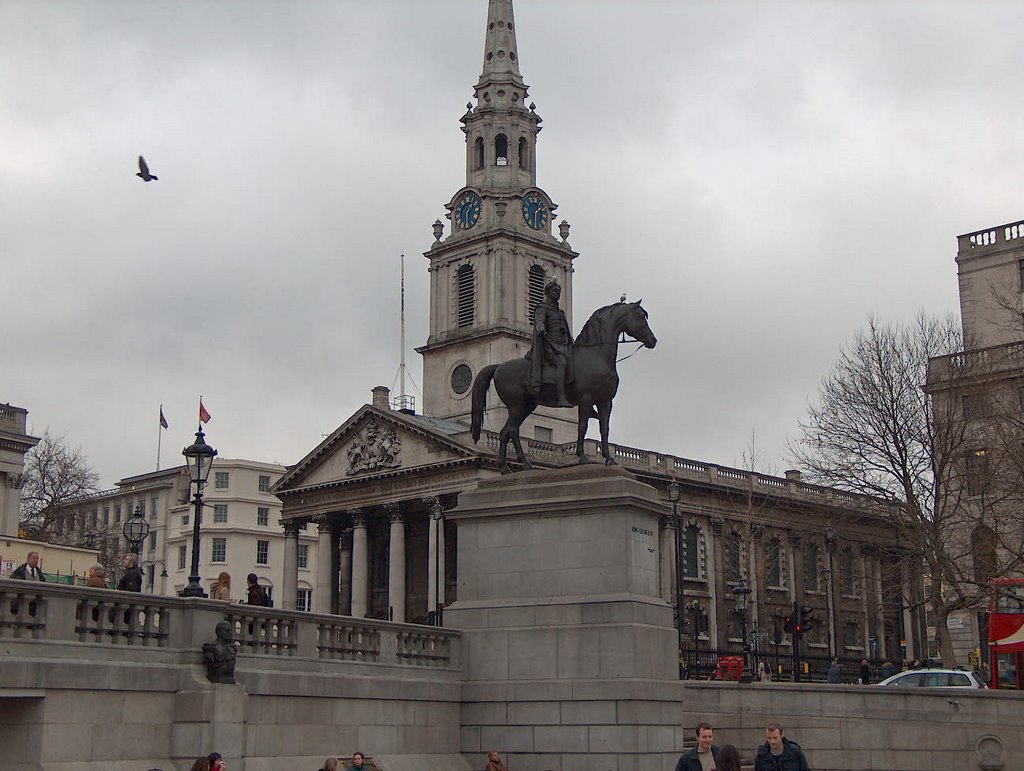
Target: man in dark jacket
x=256, y=594
x=131, y=581
x=703, y=756
x=778, y=753
x=29, y=570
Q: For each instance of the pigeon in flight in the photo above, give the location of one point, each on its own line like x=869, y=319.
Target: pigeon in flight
x=144, y=171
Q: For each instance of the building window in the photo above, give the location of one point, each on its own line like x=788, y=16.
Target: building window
x=851, y=635
x=543, y=434
x=462, y=378
x=732, y=557
x=181, y=557
x=977, y=471
x=117, y=514
x=264, y=483
x=303, y=555
x=775, y=566
x=304, y=600
x=691, y=551
x=263, y=515
x=152, y=541
x=524, y=149
x=219, y=552
x=152, y=508
x=479, y=152
x=466, y=291
x=811, y=568
x=847, y=578
x=106, y=515
x=501, y=150
x=95, y=518
x=141, y=508
x=535, y=288
x=220, y=480
x=220, y=512
x=263, y=552
x=184, y=520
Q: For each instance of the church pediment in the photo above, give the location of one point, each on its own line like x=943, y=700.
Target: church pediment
x=370, y=443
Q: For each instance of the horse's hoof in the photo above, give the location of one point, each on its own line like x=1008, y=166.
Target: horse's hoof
x=610, y=462
x=583, y=459
x=527, y=467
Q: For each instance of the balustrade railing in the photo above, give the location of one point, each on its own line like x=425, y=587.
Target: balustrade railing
x=73, y=615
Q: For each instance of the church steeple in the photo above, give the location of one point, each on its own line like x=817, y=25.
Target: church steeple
x=501, y=132
x=489, y=271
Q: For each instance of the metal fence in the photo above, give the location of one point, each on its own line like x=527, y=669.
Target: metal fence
x=701, y=663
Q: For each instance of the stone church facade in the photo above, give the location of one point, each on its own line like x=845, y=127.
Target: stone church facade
x=377, y=489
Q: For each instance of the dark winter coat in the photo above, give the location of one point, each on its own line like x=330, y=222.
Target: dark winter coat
x=690, y=762
x=791, y=759
x=257, y=595
x=131, y=581
x=21, y=573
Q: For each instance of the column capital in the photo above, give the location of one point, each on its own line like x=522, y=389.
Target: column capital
x=292, y=527
x=795, y=539
x=393, y=512
x=434, y=507
x=358, y=517
x=326, y=519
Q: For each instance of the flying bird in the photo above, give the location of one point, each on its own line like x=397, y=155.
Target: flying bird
x=144, y=171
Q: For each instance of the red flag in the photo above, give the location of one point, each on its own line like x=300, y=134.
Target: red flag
x=163, y=420
x=204, y=416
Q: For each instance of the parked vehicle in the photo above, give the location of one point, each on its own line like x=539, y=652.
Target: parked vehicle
x=934, y=678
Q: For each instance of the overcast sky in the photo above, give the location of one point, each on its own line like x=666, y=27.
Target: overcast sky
x=764, y=175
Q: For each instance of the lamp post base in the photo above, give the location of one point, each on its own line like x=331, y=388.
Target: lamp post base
x=193, y=591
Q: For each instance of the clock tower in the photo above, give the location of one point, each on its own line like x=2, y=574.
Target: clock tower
x=488, y=273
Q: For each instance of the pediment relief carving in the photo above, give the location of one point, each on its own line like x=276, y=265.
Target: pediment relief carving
x=377, y=446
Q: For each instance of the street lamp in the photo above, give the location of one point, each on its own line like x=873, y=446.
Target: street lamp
x=673, y=495
x=742, y=593
x=199, y=456
x=135, y=530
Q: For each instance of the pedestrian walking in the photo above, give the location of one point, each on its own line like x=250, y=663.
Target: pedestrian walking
x=221, y=589
x=779, y=753
x=728, y=759
x=865, y=672
x=29, y=570
x=703, y=756
x=835, y=672
x=256, y=594
x=331, y=764
x=131, y=581
x=494, y=762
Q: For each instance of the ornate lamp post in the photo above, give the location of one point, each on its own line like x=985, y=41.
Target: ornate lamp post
x=673, y=495
x=199, y=456
x=742, y=593
x=135, y=530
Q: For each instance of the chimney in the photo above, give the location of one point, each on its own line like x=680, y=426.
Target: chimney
x=793, y=475
x=381, y=397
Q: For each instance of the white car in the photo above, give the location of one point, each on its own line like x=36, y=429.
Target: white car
x=935, y=678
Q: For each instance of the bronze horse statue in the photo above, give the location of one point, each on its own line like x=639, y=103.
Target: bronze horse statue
x=591, y=391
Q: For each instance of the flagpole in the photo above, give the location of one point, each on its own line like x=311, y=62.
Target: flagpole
x=159, y=436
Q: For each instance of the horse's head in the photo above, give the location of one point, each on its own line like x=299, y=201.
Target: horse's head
x=634, y=323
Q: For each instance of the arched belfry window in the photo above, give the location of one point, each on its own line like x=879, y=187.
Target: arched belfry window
x=775, y=564
x=501, y=150
x=478, y=153
x=535, y=288
x=466, y=295
x=524, y=149
x=691, y=551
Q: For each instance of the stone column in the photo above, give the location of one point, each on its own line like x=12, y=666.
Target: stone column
x=435, y=559
x=667, y=549
x=324, y=569
x=290, y=581
x=360, y=564
x=345, y=573
x=396, y=563
x=714, y=582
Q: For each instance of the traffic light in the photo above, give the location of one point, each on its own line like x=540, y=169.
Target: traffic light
x=807, y=619
x=787, y=624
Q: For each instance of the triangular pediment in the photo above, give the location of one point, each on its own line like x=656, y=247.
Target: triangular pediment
x=371, y=443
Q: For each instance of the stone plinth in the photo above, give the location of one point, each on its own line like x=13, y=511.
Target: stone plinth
x=558, y=578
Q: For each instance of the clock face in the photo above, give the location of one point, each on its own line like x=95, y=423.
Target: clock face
x=467, y=209
x=535, y=210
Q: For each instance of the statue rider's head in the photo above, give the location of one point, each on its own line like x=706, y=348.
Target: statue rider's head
x=553, y=290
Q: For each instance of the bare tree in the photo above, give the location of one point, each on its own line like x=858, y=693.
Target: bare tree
x=876, y=430
x=55, y=474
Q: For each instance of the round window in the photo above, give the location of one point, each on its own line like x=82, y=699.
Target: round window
x=462, y=378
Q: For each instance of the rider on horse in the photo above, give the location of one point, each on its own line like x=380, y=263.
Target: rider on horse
x=550, y=357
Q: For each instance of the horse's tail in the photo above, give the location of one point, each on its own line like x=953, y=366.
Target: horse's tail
x=480, y=386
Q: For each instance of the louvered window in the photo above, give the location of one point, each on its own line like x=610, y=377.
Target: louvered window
x=535, y=288
x=467, y=295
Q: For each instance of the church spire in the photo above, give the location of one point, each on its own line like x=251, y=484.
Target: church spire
x=501, y=59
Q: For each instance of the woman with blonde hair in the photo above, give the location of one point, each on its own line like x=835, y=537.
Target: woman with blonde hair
x=97, y=577
x=331, y=764
x=222, y=588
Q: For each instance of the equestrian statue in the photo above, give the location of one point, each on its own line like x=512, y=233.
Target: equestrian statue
x=560, y=372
